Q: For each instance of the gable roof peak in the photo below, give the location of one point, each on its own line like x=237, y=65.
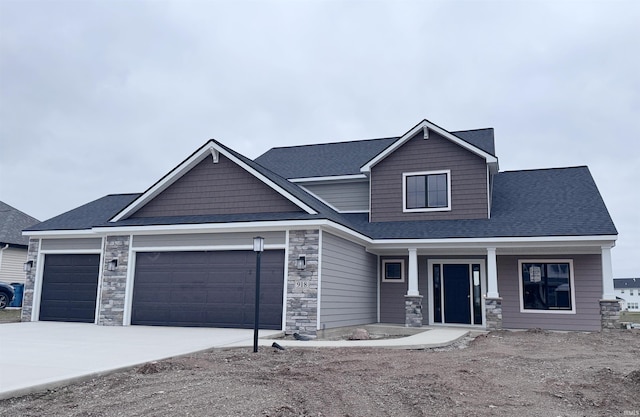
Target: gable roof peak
x=425, y=125
x=212, y=148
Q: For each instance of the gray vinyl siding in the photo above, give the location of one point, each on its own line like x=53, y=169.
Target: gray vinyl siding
x=345, y=196
x=588, y=291
x=206, y=239
x=392, y=293
x=71, y=244
x=468, y=180
x=348, y=289
x=221, y=188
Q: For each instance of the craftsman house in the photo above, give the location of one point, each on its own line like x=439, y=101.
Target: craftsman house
x=420, y=229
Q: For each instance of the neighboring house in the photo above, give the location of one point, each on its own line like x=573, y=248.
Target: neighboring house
x=420, y=229
x=628, y=290
x=13, y=245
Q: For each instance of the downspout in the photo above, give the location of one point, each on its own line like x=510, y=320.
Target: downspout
x=2, y=250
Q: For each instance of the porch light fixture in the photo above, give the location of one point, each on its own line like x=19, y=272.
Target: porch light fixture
x=301, y=262
x=258, y=247
x=112, y=265
x=27, y=266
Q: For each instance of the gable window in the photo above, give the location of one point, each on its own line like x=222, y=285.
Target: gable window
x=393, y=270
x=546, y=286
x=427, y=191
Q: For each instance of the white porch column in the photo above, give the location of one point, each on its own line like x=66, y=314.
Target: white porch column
x=607, y=274
x=492, y=274
x=413, y=272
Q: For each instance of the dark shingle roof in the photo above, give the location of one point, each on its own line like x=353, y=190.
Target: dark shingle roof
x=88, y=215
x=563, y=201
x=547, y=202
x=346, y=158
x=480, y=138
x=12, y=222
x=621, y=283
x=323, y=160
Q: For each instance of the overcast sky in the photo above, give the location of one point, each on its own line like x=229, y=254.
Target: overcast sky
x=101, y=97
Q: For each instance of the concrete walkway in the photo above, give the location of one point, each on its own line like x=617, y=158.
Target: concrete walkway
x=41, y=355
x=430, y=338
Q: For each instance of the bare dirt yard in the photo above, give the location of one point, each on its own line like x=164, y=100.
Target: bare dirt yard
x=532, y=373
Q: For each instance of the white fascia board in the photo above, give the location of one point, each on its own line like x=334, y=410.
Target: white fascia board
x=490, y=159
x=59, y=233
x=233, y=227
x=209, y=148
x=551, y=241
x=330, y=178
x=209, y=227
x=372, y=244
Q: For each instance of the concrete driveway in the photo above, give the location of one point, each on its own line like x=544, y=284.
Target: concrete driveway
x=38, y=355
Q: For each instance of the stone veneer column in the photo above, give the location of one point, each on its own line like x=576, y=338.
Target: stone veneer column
x=30, y=281
x=493, y=313
x=413, y=310
x=114, y=283
x=610, y=314
x=302, y=285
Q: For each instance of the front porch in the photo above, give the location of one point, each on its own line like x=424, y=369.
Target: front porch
x=483, y=288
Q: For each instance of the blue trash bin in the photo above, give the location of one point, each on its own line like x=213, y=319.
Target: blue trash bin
x=17, y=299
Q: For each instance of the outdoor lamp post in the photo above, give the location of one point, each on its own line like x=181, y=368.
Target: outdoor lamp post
x=258, y=247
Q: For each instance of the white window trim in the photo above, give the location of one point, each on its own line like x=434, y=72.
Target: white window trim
x=426, y=209
x=571, y=284
x=384, y=269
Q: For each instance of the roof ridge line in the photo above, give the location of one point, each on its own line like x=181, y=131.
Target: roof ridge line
x=545, y=169
x=331, y=143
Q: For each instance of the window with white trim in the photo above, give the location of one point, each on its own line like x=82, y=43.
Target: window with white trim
x=426, y=191
x=546, y=285
x=393, y=270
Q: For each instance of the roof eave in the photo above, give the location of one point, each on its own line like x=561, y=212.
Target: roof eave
x=58, y=233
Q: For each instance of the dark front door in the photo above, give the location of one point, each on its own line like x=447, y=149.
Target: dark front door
x=457, y=294
x=69, y=288
x=207, y=289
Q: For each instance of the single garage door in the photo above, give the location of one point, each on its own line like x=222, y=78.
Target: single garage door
x=207, y=289
x=69, y=288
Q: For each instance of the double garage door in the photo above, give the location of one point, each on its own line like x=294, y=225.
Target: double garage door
x=208, y=289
